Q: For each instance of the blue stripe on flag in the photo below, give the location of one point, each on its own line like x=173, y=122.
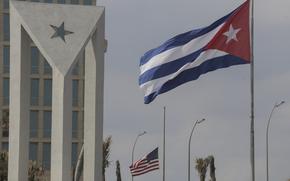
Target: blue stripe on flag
x=168, y=68
x=195, y=73
x=181, y=39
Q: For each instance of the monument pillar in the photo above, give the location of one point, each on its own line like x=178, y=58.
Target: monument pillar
x=93, y=107
x=61, y=32
x=19, y=101
x=61, y=137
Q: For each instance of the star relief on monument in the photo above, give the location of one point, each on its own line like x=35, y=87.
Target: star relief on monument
x=60, y=32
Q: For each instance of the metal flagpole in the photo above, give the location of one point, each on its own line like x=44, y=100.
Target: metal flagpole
x=164, y=112
x=252, y=93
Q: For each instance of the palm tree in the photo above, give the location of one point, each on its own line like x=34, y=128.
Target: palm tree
x=4, y=166
x=35, y=172
x=106, y=154
x=5, y=123
x=212, y=168
x=118, y=171
x=201, y=167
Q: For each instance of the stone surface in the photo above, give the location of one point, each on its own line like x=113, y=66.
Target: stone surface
x=19, y=101
x=36, y=19
x=48, y=25
x=93, y=124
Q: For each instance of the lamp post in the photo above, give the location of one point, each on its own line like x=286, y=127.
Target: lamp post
x=195, y=123
x=267, y=136
x=141, y=134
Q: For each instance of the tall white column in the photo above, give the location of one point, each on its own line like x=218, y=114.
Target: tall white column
x=19, y=102
x=93, y=105
x=37, y=19
x=61, y=138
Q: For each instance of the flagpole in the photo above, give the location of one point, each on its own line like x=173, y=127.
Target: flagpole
x=252, y=94
x=164, y=113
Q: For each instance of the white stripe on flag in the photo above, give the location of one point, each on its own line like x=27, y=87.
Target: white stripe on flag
x=154, y=85
x=180, y=51
x=145, y=168
x=145, y=165
x=146, y=171
x=137, y=163
x=150, y=166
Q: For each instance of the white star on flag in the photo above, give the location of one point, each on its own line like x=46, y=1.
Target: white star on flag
x=231, y=34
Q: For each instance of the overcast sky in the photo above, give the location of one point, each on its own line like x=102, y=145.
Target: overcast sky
x=222, y=96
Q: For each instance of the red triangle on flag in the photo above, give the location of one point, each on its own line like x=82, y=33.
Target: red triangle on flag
x=234, y=36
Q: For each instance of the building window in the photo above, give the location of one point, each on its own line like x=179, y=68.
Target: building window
x=75, y=92
x=74, y=124
x=34, y=95
x=6, y=4
x=5, y=123
x=47, y=95
x=47, y=68
x=81, y=125
x=75, y=1
x=6, y=91
x=34, y=0
x=60, y=1
x=5, y=146
x=34, y=60
x=87, y=2
x=6, y=27
x=74, y=154
x=48, y=1
x=33, y=124
x=47, y=124
x=33, y=150
x=46, y=156
x=6, y=59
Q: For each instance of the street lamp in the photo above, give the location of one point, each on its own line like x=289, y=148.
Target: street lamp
x=141, y=134
x=195, y=123
x=267, y=136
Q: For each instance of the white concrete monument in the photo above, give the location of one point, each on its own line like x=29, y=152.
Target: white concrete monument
x=61, y=32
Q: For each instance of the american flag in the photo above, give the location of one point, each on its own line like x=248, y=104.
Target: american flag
x=147, y=164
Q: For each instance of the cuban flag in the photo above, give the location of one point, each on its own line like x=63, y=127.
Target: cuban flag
x=185, y=57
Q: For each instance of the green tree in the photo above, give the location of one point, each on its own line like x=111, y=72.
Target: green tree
x=5, y=123
x=35, y=172
x=4, y=155
x=106, y=154
x=106, y=163
x=3, y=166
x=201, y=166
x=211, y=168
x=118, y=171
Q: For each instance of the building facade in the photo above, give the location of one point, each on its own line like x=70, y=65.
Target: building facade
x=40, y=94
